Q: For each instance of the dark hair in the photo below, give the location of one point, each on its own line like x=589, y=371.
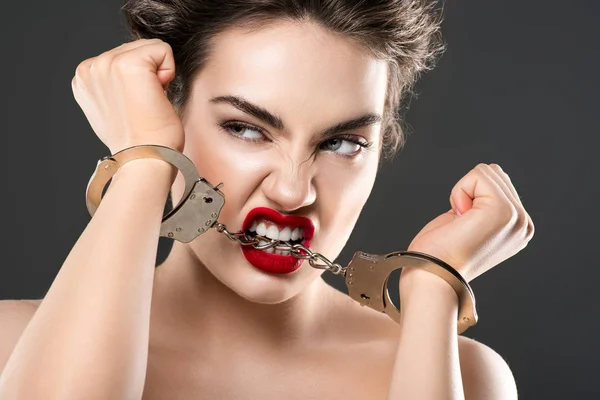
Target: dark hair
x=403, y=32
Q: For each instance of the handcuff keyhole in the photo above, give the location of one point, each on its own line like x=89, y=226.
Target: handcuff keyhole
x=364, y=296
x=208, y=200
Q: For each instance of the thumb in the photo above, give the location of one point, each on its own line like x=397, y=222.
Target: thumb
x=165, y=76
x=460, y=202
x=160, y=60
x=475, y=189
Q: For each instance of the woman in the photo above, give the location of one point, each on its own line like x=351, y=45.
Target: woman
x=291, y=104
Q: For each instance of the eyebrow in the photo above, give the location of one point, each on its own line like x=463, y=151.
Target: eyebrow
x=276, y=122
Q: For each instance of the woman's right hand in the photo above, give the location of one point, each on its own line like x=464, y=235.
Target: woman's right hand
x=122, y=94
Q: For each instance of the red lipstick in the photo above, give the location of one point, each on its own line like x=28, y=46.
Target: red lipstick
x=271, y=262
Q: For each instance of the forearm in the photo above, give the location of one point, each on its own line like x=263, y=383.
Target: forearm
x=89, y=337
x=427, y=364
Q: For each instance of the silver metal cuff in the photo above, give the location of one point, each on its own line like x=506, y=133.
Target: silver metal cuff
x=196, y=212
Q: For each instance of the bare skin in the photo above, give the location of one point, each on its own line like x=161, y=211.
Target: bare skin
x=218, y=327
x=352, y=361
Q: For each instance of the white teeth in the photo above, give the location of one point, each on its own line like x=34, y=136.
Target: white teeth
x=261, y=229
x=272, y=232
x=278, y=252
x=285, y=253
x=253, y=227
x=295, y=234
x=285, y=234
x=262, y=243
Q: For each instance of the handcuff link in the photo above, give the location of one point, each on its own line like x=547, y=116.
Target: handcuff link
x=366, y=276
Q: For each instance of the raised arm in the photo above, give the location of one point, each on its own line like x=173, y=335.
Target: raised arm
x=427, y=362
x=89, y=337
x=487, y=225
x=432, y=361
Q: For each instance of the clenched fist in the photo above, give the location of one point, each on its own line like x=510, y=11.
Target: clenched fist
x=486, y=225
x=122, y=93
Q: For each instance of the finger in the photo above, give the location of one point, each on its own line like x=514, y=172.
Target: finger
x=81, y=71
x=104, y=60
x=523, y=221
x=107, y=56
x=158, y=56
x=493, y=174
x=476, y=190
x=74, y=86
x=507, y=181
x=130, y=46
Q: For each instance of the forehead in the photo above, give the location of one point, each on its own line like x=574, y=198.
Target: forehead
x=296, y=69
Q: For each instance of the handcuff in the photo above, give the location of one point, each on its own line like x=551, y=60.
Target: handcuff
x=366, y=276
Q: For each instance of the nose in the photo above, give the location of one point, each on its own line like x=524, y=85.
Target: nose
x=290, y=184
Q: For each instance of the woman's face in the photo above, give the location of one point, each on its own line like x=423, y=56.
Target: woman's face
x=280, y=116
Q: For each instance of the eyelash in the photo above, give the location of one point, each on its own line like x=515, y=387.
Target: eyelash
x=350, y=138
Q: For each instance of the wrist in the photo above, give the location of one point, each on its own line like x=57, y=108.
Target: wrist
x=148, y=170
x=418, y=285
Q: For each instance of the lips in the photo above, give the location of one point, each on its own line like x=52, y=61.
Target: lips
x=270, y=262
x=279, y=219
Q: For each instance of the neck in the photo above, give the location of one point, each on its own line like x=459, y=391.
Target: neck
x=190, y=303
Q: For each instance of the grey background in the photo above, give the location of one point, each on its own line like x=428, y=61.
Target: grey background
x=517, y=86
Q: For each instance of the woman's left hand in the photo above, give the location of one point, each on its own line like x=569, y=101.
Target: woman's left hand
x=486, y=225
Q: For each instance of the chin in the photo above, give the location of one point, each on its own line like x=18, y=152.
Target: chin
x=252, y=279
x=262, y=287
x=265, y=295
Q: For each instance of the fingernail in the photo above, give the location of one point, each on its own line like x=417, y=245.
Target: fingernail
x=457, y=212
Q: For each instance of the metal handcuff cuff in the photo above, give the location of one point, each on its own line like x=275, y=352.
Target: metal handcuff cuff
x=366, y=276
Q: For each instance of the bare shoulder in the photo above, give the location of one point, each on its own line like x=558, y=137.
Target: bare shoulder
x=14, y=317
x=485, y=373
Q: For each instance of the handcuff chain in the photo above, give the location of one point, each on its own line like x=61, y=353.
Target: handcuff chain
x=296, y=250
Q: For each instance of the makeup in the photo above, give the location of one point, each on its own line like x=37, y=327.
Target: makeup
x=268, y=222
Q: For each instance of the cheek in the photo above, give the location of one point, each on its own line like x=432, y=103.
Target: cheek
x=342, y=194
x=219, y=159
x=349, y=184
